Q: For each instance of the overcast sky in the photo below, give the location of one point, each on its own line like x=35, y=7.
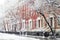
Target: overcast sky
x=5, y=5
x=8, y=4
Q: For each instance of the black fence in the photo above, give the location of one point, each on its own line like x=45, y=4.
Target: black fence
x=9, y=32
x=35, y=33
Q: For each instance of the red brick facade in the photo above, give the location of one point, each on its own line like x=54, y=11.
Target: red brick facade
x=28, y=15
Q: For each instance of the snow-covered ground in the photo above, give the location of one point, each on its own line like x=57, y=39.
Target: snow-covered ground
x=4, y=36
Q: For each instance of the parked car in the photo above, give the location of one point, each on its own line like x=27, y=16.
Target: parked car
x=36, y=33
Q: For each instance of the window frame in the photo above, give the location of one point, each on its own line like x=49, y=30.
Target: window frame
x=58, y=20
x=51, y=16
x=37, y=23
x=23, y=25
x=30, y=24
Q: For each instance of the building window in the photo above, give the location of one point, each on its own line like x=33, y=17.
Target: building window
x=14, y=26
x=38, y=22
x=30, y=24
x=58, y=20
x=52, y=21
x=23, y=24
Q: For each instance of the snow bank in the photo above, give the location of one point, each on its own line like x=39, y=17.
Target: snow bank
x=4, y=36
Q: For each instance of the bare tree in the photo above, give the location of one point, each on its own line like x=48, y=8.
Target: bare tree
x=4, y=25
x=40, y=9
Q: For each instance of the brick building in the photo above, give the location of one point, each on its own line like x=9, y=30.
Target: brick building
x=31, y=20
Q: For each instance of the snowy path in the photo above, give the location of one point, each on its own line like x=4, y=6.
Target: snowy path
x=4, y=36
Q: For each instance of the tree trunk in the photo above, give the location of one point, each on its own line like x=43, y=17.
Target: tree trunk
x=47, y=22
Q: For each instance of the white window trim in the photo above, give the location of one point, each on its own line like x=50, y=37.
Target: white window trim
x=57, y=20
x=37, y=22
x=23, y=25
x=48, y=21
x=53, y=21
x=30, y=25
x=43, y=22
x=51, y=16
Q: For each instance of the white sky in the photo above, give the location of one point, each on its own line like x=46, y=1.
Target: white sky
x=5, y=5
x=8, y=4
x=1, y=9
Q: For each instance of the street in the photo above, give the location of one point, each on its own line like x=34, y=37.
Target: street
x=6, y=36
x=43, y=38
